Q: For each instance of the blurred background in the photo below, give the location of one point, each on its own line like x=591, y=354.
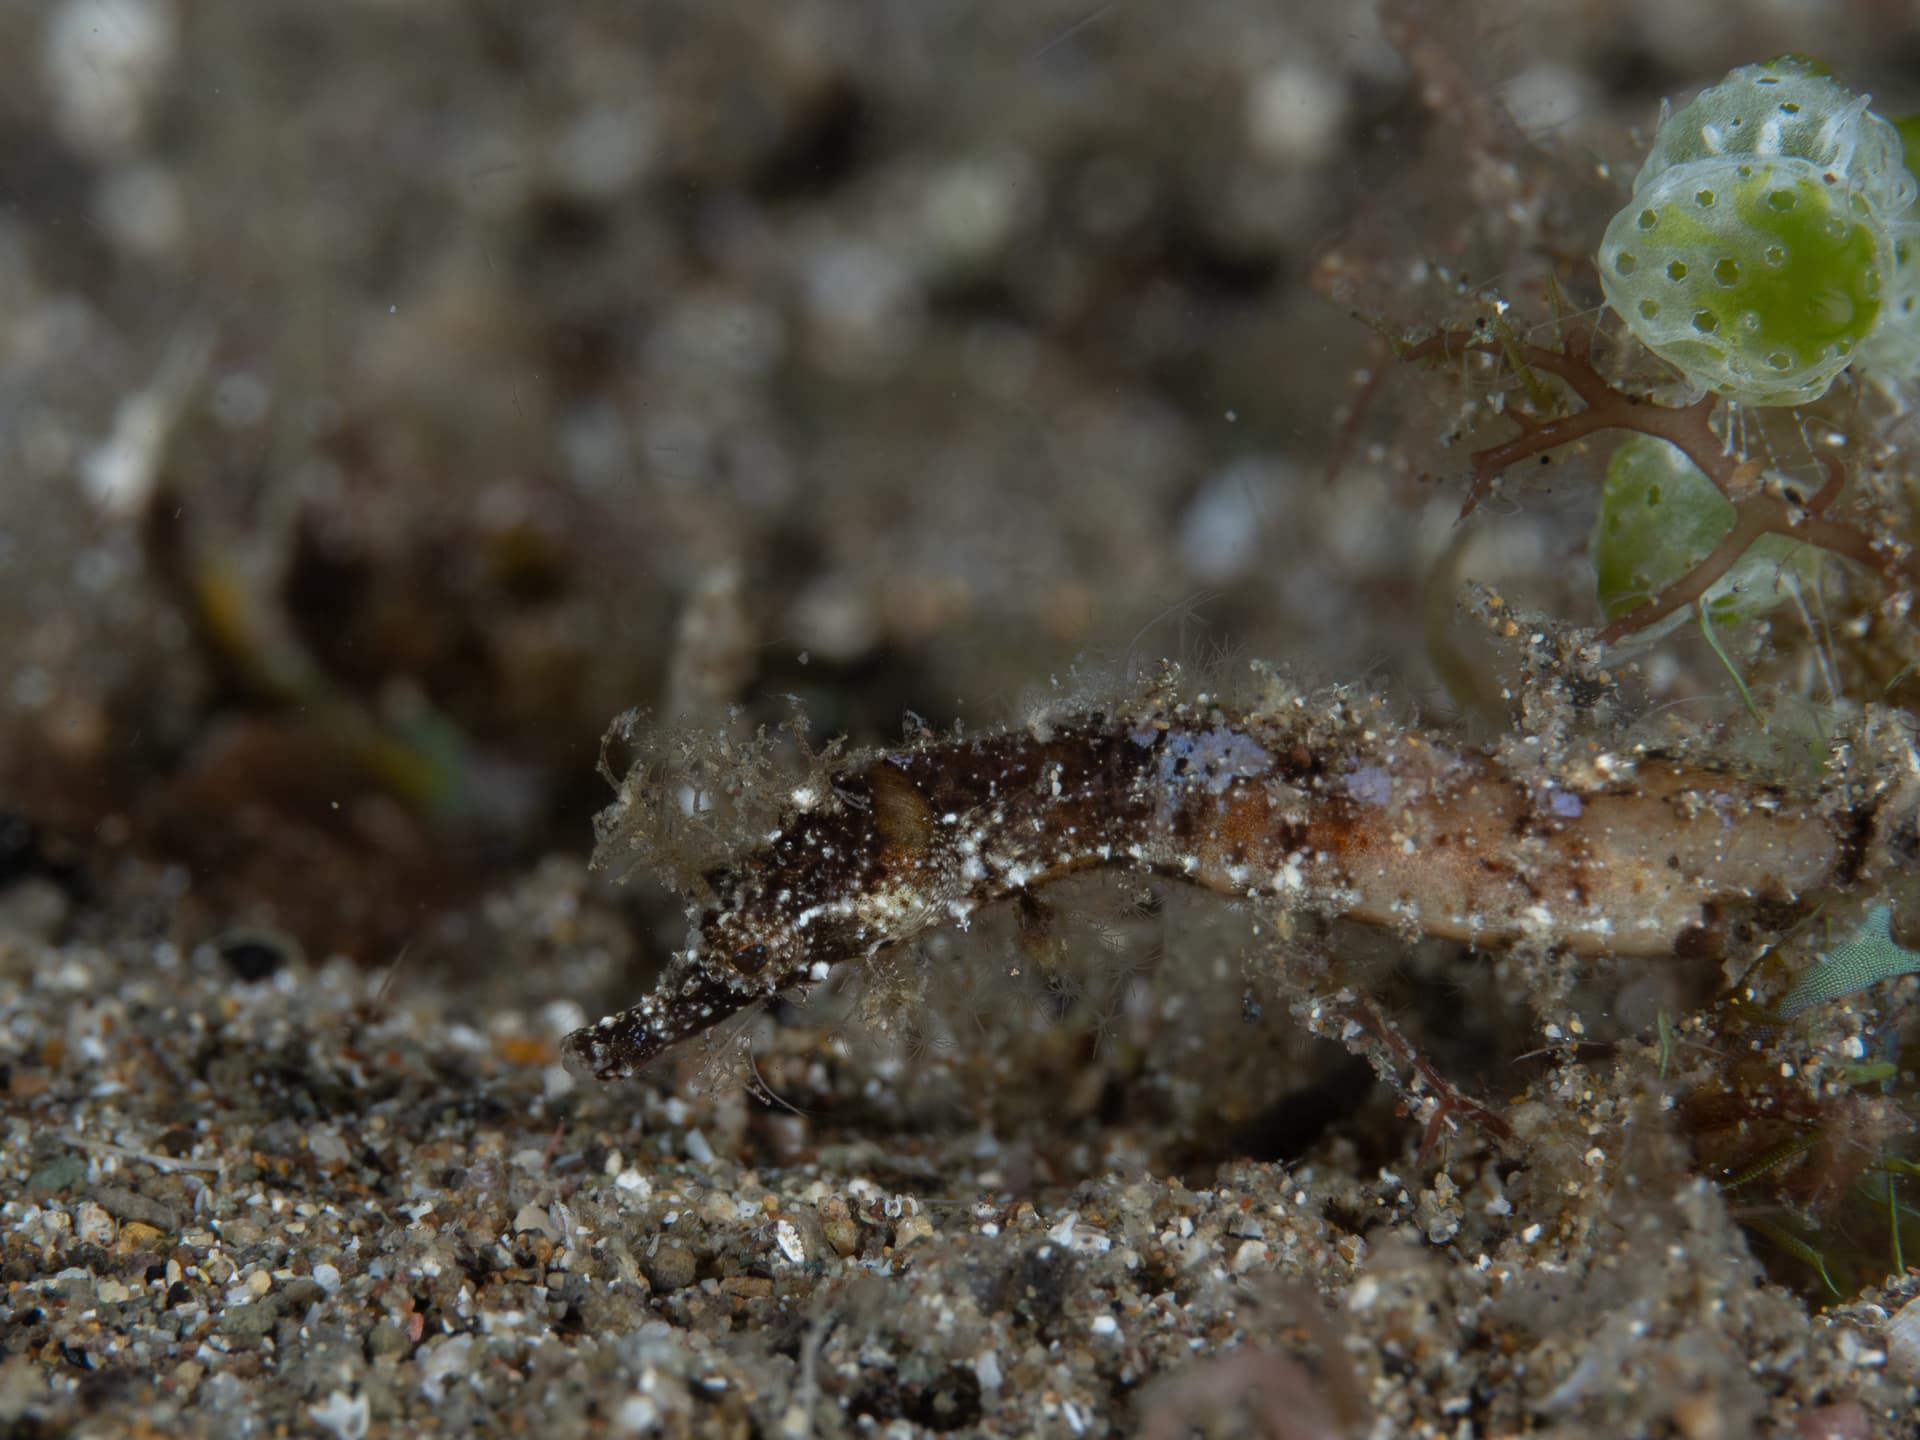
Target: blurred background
x=393, y=392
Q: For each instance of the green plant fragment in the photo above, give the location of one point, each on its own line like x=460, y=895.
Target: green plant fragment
x=1871, y=956
x=1660, y=517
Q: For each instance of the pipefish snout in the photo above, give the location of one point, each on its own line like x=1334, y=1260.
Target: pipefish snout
x=1330, y=808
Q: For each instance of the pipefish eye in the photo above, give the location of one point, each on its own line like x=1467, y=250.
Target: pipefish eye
x=750, y=959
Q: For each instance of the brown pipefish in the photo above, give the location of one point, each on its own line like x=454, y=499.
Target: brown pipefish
x=1329, y=807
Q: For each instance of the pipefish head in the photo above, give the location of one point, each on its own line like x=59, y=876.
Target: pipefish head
x=836, y=882
x=745, y=946
x=687, y=999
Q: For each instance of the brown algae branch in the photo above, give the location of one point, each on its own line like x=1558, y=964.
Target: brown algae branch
x=1689, y=428
x=1328, y=806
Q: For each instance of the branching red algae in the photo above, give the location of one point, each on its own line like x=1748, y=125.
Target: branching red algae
x=1689, y=428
